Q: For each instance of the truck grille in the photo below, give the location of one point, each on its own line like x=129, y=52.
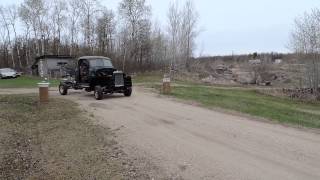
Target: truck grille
x=118, y=79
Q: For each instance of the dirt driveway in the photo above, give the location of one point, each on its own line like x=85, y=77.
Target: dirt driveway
x=180, y=141
x=173, y=140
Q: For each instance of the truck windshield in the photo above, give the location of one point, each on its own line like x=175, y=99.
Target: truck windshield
x=101, y=63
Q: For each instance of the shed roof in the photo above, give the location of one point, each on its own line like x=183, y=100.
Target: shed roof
x=50, y=57
x=93, y=57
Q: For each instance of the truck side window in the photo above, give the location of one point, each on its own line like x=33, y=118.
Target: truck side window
x=84, y=70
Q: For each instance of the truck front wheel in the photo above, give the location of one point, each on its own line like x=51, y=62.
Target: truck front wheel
x=63, y=89
x=128, y=92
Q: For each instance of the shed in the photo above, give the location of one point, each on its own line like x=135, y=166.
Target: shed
x=278, y=61
x=52, y=65
x=255, y=62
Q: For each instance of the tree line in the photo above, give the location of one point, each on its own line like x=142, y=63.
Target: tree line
x=127, y=34
x=305, y=42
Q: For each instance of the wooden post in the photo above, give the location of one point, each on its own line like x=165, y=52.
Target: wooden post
x=166, y=85
x=43, y=92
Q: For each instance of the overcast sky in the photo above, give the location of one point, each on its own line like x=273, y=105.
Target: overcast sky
x=238, y=26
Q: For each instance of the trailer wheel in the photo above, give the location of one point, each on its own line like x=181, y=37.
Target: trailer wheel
x=128, y=92
x=98, y=93
x=63, y=89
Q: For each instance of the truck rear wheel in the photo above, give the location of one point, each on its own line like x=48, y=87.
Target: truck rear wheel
x=98, y=93
x=63, y=89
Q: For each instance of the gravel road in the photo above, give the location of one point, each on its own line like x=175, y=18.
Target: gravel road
x=174, y=140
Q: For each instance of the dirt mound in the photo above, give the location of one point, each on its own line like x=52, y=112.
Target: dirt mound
x=250, y=72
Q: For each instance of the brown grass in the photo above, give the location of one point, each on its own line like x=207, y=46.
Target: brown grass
x=55, y=141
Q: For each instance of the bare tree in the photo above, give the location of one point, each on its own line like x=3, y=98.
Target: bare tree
x=24, y=16
x=305, y=41
x=58, y=16
x=25, y=45
x=159, y=47
x=4, y=45
x=13, y=16
x=73, y=18
x=88, y=9
x=105, y=31
x=6, y=23
x=123, y=46
x=35, y=12
x=174, y=24
x=132, y=11
x=136, y=15
x=188, y=31
x=305, y=38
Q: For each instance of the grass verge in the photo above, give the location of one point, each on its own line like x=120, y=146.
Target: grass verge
x=244, y=100
x=24, y=82
x=55, y=141
x=283, y=110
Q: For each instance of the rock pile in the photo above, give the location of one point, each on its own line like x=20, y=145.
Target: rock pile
x=220, y=74
x=253, y=73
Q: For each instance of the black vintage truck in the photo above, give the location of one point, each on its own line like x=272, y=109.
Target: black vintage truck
x=96, y=73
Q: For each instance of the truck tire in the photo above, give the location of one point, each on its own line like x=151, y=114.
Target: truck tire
x=98, y=93
x=63, y=89
x=128, y=92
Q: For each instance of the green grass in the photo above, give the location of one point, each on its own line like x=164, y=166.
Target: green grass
x=250, y=102
x=245, y=100
x=147, y=79
x=24, y=82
